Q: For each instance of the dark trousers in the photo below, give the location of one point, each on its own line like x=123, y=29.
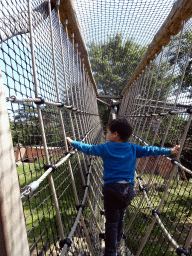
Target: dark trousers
x=117, y=197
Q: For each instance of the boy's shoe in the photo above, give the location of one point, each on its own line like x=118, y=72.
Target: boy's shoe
x=102, y=236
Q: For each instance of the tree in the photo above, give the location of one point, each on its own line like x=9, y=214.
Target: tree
x=113, y=63
x=25, y=126
x=184, y=48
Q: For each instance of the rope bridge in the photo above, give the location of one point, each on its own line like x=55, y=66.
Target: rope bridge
x=51, y=195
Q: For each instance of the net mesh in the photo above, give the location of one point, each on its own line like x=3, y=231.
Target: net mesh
x=50, y=96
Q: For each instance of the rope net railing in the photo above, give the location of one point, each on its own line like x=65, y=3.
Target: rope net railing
x=49, y=97
x=158, y=104
x=51, y=94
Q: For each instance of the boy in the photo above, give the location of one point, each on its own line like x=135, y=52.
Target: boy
x=119, y=160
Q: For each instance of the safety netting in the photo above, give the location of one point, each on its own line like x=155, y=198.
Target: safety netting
x=49, y=97
x=136, y=59
x=160, y=112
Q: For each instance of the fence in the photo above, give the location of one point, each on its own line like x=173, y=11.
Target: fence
x=49, y=96
x=157, y=103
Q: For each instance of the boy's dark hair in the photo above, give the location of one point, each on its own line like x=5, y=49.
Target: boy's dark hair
x=122, y=127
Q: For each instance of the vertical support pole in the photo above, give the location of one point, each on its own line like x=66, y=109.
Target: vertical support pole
x=13, y=235
x=188, y=240
x=73, y=131
x=137, y=121
x=82, y=95
x=86, y=91
x=75, y=89
x=83, y=90
x=42, y=125
x=79, y=98
x=61, y=117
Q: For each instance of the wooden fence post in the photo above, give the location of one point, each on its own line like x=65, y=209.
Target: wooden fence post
x=13, y=235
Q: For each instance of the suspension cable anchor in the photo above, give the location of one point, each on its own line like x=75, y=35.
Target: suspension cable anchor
x=102, y=236
x=180, y=250
x=143, y=189
x=174, y=161
x=61, y=105
x=11, y=98
x=171, y=112
x=42, y=101
x=80, y=206
x=28, y=189
x=102, y=212
x=66, y=241
x=124, y=236
x=69, y=107
x=86, y=186
x=189, y=110
x=50, y=166
x=162, y=114
x=71, y=153
x=139, y=178
x=155, y=212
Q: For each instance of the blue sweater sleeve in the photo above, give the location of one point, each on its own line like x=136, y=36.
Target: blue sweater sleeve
x=151, y=151
x=95, y=150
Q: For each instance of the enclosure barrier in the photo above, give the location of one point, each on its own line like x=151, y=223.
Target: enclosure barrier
x=57, y=100
x=157, y=108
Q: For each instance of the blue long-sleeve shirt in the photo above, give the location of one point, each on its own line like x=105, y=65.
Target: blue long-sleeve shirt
x=119, y=159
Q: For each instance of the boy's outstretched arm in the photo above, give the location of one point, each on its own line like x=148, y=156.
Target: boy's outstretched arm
x=95, y=150
x=69, y=140
x=155, y=151
x=175, y=149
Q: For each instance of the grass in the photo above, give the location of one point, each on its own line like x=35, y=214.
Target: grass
x=177, y=204
x=39, y=209
x=41, y=220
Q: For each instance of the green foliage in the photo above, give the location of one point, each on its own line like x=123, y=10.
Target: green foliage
x=159, y=82
x=25, y=126
x=184, y=48
x=175, y=131
x=104, y=112
x=113, y=63
x=177, y=202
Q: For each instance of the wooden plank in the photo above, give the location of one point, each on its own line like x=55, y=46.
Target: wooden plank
x=13, y=235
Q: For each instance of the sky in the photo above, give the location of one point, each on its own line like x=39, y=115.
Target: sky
x=138, y=20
